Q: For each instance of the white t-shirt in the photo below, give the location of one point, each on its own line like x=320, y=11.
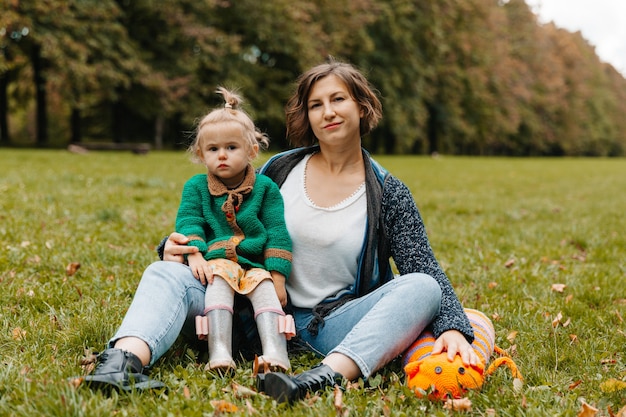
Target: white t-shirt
x=327, y=241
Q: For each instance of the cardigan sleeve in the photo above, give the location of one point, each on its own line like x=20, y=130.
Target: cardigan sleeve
x=190, y=220
x=411, y=252
x=277, y=251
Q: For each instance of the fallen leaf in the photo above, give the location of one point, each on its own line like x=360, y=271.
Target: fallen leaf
x=511, y=336
x=75, y=382
x=18, y=333
x=338, y=399
x=557, y=320
x=587, y=411
x=241, y=391
x=573, y=338
x=186, y=392
x=621, y=413
x=558, y=287
x=509, y=263
x=251, y=409
x=461, y=404
x=575, y=384
x=492, y=285
x=567, y=322
x=223, y=406
x=71, y=268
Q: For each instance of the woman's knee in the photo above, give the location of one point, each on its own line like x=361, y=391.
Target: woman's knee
x=423, y=287
x=169, y=273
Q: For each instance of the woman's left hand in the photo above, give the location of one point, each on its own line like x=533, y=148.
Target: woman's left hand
x=453, y=342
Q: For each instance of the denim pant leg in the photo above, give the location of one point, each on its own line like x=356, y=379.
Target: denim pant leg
x=166, y=302
x=374, y=329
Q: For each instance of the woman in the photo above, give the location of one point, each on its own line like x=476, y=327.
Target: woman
x=346, y=216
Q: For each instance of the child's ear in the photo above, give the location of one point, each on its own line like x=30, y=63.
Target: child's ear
x=254, y=151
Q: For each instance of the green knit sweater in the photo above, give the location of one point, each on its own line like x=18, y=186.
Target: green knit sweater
x=245, y=225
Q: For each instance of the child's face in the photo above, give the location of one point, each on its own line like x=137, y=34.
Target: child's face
x=225, y=152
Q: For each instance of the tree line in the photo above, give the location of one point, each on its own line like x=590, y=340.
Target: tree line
x=473, y=77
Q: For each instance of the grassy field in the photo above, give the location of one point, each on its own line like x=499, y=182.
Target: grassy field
x=505, y=230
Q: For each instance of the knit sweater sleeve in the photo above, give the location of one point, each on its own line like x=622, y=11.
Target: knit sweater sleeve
x=277, y=251
x=411, y=252
x=190, y=220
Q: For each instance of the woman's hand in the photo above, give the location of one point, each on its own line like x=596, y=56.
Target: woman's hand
x=453, y=342
x=176, y=246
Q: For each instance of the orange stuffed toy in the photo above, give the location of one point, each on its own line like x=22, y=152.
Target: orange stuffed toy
x=438, y=378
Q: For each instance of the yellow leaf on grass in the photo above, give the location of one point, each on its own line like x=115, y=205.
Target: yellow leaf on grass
x=222, y=406
x=612, y=385
x=558, y=287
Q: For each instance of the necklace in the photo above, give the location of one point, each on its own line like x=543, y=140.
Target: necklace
x=334, y=206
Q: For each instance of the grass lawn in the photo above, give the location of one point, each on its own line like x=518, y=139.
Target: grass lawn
x=505, y=230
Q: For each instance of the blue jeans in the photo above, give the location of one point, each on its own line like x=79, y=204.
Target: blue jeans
x=374, y=329
x=371, y=330
x=165, y=304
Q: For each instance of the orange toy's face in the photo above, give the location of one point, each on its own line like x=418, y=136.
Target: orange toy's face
x=438, y=378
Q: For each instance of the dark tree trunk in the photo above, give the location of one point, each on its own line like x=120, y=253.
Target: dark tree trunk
x=75, y=123
x=119, y=122
x=40, y=91
x=4, y=109
x=433, y=129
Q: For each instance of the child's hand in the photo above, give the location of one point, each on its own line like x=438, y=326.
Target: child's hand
x=279, y=287
x=200, y=268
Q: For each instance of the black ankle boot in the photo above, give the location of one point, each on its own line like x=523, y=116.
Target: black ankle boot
x=120, y=370
x=284, y=388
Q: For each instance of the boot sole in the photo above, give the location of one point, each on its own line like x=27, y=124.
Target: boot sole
x=108, y=386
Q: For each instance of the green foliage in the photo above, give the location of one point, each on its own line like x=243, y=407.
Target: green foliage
x=456, y=76
x=505, y=230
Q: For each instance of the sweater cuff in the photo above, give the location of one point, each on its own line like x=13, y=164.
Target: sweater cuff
x=278, y=264
x=200, y=244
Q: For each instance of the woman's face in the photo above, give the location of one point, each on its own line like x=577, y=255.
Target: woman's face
x=333, y=114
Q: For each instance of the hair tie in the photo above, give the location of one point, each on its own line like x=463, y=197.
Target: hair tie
x=228, y=106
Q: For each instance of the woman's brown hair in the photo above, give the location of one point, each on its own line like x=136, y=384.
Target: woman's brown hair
x=299, y=130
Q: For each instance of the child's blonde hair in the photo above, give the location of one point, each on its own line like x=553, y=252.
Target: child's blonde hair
x=230, y=113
